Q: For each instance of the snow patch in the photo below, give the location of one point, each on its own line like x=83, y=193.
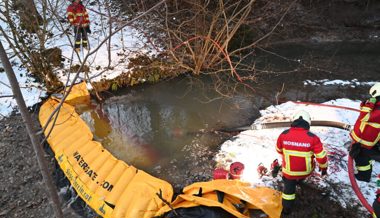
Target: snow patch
x=254, y=147
x=325, y=82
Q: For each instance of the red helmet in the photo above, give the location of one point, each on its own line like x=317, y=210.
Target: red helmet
x=236, y=170
x=220, y=173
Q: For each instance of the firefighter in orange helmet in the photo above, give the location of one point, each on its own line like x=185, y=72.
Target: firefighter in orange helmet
x=298, y=147
x=366, y=137
x=78, y=18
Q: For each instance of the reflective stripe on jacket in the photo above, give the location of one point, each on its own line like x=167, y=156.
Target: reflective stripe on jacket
x=298, y=148
x=367, y=126
x=77, y=15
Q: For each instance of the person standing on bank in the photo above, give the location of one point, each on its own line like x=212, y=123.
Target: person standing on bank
x=365, y=136
x=78, y=18
x=298, y=147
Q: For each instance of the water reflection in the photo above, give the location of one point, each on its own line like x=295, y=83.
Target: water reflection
x=159, y=128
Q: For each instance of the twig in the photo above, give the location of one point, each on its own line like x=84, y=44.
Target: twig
x=6, y=96
x=5, y=84
x=279, y=93
x=167, y=203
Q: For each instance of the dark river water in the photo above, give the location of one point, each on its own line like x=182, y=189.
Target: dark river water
x=167, y=128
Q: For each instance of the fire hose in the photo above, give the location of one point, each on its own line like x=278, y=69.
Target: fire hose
x=350, y=164
x=324, y=123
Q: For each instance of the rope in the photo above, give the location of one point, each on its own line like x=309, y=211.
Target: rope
x=272, y=125
x=327, y=105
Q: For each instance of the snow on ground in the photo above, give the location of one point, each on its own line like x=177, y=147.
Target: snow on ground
x=353, y=83
x=30, y=90
x=253, y=147
x=124, y=44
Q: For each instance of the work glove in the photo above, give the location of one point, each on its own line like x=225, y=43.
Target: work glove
x=88, y=30
x=372, y=100
x=355, y=150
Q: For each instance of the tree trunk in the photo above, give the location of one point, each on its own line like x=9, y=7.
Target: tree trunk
x=51, y=189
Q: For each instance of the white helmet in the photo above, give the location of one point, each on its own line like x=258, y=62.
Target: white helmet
x=374, y=91
x=302, y=114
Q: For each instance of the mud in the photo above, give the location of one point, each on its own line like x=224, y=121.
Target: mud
x=21, y=185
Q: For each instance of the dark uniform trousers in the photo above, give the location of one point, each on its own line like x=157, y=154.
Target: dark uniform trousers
x=80, y=37
x=289, y=193
x=363, y=162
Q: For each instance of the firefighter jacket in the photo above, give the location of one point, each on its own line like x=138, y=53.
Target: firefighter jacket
x=77, y=15
x=367, y=126
x=298, y=147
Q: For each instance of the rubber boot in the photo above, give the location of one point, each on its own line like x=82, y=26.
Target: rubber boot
x=376, y=207
x=285, y=212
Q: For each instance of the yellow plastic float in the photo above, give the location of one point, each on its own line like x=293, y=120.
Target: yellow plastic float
x=115, y=189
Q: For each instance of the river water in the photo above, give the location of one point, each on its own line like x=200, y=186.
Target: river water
x=166, y=129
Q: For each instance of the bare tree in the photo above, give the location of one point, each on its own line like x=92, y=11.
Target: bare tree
x=199, y=38
x=26, y=33
x=51, y=189
x=219, y=38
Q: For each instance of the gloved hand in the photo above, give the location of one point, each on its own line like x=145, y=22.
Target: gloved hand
x=372, y=100
x=88, y=30
x=355, y=150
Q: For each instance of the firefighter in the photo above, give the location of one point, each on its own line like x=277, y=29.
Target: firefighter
x=365, y=136
x=298, y=147
x=78, y=18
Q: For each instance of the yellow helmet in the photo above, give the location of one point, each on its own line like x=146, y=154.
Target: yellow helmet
x=374, y=91
x=302, y=114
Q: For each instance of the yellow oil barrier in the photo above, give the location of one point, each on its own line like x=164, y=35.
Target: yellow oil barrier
x=238, y=198
x=115, y=189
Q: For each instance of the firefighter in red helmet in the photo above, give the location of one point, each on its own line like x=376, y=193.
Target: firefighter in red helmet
x=298, y=147
x=366, y=137
x=78, y=18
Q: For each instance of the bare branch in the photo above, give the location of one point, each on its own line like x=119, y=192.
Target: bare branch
x=6, y=96
x=1, y=82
